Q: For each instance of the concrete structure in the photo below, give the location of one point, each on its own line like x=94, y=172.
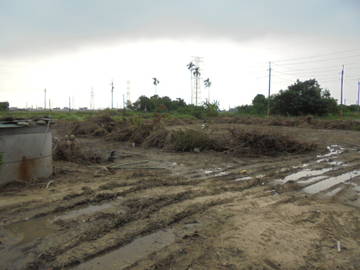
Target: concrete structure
x=26, y=150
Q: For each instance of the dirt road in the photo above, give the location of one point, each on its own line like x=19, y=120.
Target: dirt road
x=153, y=209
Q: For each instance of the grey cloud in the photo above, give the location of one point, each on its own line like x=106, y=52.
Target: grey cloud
x=28, y=26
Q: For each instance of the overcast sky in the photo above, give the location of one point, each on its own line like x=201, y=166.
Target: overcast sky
x=70, y=47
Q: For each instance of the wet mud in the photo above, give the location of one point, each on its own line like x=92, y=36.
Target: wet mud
x=152, y=209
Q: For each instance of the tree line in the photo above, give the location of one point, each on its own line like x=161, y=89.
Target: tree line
x=300, y=98
x=159, y=104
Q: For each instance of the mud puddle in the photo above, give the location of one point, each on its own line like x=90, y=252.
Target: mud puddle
x=331, y=182
x=312, y=180
x=138, y=249
x=86, y=211
x=304, y=173
x=27, y=231
x=333, y=150
x=334, y=192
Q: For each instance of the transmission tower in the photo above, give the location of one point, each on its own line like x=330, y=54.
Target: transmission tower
x=45, y=99
x=128, y=91
x=92, y=105
x=112, y=95
x=358, y=100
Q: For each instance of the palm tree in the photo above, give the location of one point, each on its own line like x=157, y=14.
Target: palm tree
x=197, y=74
x=207, y=84
x=155, y=82
x=190, y=67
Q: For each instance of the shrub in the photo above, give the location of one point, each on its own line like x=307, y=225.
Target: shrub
x=303, y=98
x=188, y=140
x=261, y=143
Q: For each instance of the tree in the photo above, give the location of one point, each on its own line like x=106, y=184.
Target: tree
x=143, y=104
x=207, y=83
x=155, y=83
x=259, y=104
x=4, y=106
x=211, y=109
x=303, y=98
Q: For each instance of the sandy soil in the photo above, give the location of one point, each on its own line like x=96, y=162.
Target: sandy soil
x=153, y=209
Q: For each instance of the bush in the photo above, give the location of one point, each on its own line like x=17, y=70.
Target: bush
x=303, y=98
x=188, y=140
x=261, y=143
x=4, y=106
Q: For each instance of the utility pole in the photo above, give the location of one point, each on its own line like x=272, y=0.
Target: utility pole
x=45, y=99
x=358, y=99
x=268, y=107
x=128, y=89
x=69, y=104
x=49, y=104
x=342, y=91
x=92, y=106
x=342, y=85
x=112, y=95
x=196, y=89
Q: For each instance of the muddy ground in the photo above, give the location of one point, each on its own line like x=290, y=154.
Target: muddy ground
x=156, y=209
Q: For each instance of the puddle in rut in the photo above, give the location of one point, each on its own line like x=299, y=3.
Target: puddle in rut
x=243, y=179
x=357, y=188
x=330, y=182
x=334, y=150
x=124, y=257
x=304, y=173
x=85, y=211
x=334, y=191
x=312, y=179
x=27, y=231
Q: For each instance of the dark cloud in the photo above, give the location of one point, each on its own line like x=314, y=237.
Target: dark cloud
x=28, y=26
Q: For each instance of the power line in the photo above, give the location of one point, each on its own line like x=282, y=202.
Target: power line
x=316, y=56
x=268, y=105
x=45, y=99
x=342, y=84
x=319, y=60
x=112, y=95
x=319, y=68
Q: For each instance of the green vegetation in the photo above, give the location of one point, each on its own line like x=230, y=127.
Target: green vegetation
x=4, y=106
x=144, y=107
x=300, y=99
x=178, y=106
x=303, y=98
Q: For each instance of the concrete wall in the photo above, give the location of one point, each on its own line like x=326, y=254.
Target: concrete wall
x=27, y=154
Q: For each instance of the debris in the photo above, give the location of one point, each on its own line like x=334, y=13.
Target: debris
x=119, y=166
x=49, y=184
x=112, y=156
x=338, y=244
